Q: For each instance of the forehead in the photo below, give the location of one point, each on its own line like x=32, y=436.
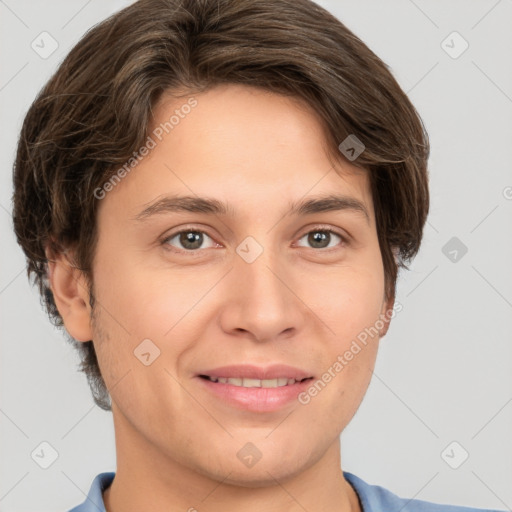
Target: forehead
x=243, y=117
x=240, y=144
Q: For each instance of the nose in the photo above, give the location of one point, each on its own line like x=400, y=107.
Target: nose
x=262, y=303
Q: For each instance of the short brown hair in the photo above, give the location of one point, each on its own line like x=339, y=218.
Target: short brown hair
x=95, y=111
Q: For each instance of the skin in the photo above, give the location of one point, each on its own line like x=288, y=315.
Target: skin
x=296, y=304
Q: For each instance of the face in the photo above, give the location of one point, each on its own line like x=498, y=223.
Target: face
x=249, y=281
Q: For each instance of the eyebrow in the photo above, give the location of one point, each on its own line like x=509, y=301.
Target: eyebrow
x=210, y=206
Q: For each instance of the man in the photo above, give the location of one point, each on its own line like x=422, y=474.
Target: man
x=215, y=198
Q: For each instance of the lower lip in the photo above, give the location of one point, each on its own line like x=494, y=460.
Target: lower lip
x=256, y=399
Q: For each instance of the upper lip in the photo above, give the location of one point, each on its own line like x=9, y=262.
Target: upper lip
x=274, y=371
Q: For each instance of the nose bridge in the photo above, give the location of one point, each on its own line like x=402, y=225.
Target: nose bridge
x=257, y=270
x=263, y=302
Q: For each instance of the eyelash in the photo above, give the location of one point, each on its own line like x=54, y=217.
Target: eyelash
x=318, y=229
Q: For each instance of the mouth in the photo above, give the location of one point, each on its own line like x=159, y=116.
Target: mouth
x=253, y=388
x=245, y=382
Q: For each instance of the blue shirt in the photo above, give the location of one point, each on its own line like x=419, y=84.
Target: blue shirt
x=373, y=498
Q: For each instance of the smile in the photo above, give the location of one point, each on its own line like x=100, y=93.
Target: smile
x=253, y=388
x=254, y=383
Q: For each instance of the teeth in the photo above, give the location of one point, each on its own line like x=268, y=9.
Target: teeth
x=255, y=383
x=248, y=383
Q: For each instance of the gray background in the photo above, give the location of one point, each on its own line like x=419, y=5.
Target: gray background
x=444, y=369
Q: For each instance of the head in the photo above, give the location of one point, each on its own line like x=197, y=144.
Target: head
x=214, y=99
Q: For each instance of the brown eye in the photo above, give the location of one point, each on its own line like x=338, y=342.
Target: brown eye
x=322, y=239
x=188, y=240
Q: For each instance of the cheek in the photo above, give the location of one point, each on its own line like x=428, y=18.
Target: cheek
x=348, y=300
x=140, y=314
x=155, y=302
x=135, y=294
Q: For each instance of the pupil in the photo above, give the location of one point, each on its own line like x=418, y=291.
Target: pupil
x=191, y=239
x=317, y=238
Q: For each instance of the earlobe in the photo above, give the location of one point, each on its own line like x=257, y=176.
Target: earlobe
x=71, y=296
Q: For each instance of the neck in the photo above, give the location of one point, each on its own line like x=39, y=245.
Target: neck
x=148, y=479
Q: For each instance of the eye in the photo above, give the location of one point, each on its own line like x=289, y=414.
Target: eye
x=192, y=240
x=323, y=238
x=188, y=240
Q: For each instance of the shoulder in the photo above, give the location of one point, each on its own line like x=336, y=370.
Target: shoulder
x=94, y=500
x=374, y=498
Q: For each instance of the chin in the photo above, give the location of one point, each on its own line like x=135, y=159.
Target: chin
x=267, y=471
x=262, y=477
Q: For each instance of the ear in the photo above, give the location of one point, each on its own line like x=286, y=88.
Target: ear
x=385, y=314
x=70, y=292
